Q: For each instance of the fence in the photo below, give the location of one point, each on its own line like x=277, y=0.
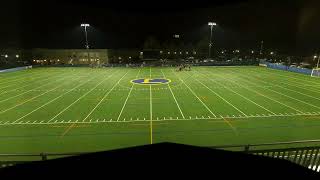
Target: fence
x=288, y=68
x=15, y=69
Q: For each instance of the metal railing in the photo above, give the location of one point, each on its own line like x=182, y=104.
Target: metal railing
x=304, y=153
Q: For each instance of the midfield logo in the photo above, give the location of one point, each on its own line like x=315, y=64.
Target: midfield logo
x=155, y=81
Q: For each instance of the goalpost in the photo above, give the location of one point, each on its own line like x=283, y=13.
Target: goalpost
x=315, y=72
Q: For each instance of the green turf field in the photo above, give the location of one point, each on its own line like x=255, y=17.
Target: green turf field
x=81, y=109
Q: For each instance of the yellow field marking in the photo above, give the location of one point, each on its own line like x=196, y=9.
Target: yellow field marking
x=146, y=80
x=67, y=130
x=232, y=127
x=151, y=126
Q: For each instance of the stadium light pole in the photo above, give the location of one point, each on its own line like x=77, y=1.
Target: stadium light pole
x=211, y=24
x=318, y=62
x=86, y=35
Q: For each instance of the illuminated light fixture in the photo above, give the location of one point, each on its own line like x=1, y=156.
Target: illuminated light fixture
x=212, y=23
x=34, y=60
x=160, y=52
x=180, y=52
x=252, y=52
x=271, y=53
x=187, y=52
x=175, y=52
x=314, y=57
x=6, y=55
x=141, y=53
x=17, y=56
x=119, y=58
x=58, y=60
x=85, y=25
x=169, y=52
x=129, y=57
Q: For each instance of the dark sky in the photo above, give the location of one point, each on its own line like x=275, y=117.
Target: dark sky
x=288, y=26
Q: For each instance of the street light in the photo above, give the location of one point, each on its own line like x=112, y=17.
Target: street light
x=211, y=24
x=6, y=56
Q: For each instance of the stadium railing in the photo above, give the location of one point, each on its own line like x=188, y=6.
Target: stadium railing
x=305, y=153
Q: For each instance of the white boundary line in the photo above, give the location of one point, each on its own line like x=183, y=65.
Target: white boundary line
x=165, y=119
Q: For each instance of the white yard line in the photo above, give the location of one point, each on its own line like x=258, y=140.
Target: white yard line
x=195, y=95
x=279, y=74
x=267, y=97
x=79, y=98
x=53, y=100
x=45, y=78
x=31, y=99
x=292, y=89
x=220, y=97
x=174, y=97
x=33, y=89
x=106, y=95
x=125, y=102
x=242, y=95
x=18, y=79
x=283, y=94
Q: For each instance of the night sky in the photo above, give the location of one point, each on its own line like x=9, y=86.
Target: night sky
x=290, y=27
